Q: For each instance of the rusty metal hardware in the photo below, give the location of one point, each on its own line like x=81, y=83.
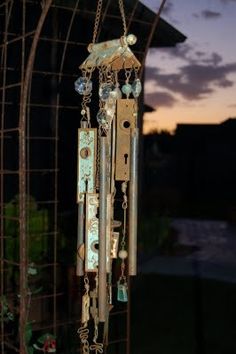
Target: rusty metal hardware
x=114, y=244
x=126, y=120
x=87, y=147
x=91, y=233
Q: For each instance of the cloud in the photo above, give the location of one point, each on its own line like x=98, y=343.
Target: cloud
x=227, y=1
x=208, y=14
x=160, y=99
x=182, y=51
x=188, y=53
x=194, y=81
x=214, y=59
x=232, y=105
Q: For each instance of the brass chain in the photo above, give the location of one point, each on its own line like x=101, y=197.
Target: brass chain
x=122, y=12
x=97, y=20
x=98, y=17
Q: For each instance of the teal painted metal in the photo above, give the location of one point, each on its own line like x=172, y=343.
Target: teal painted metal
x=91, y=229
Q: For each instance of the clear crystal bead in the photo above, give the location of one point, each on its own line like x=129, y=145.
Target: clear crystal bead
x=101, y=118
x=105, y=90
x=136, y=88
x=116, y=93
x=110, y=108
x=110, y=111
x=83, y=86
x=127, y=89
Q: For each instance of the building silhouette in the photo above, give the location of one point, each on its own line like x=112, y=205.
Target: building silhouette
x=193, y=172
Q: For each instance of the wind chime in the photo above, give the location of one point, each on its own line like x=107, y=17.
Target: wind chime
x=107, y=166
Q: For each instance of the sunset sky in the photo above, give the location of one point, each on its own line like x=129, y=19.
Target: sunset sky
x=196, y=81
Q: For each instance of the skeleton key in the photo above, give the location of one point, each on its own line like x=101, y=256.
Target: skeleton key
x=114, y=244
x=85, y=308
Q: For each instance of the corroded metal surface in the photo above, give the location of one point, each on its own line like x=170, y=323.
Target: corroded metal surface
x=87, y=146
x=126, y=120
x=91, y=236
x=114, y=54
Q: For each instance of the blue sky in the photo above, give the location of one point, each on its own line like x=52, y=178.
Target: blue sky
x=194, y=82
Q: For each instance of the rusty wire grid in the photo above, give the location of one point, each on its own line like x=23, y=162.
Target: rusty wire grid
x=42, y=44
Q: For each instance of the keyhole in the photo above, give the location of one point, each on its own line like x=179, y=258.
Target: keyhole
x=126, y=158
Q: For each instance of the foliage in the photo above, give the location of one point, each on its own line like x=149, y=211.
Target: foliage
x=37, y=224
x=5, y=312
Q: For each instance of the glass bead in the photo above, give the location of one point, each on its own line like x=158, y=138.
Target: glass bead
x=105, y=90
x=131, y=39
x=110, y=107
x=136, y=88
x=127, y=89
x=123, y=254
x=116, y=93
x=83, y=86
x=110, y=113
x=122, y=293
x=101, y=118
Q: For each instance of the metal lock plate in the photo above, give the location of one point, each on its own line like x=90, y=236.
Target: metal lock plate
x=87, y=149
x=91, y=233
x=126, y=119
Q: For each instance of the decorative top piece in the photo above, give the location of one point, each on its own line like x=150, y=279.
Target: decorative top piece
x=114, y=54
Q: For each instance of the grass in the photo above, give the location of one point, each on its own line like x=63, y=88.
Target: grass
x=182, y=315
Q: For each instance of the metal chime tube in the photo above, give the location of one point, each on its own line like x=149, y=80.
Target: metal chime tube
x=133, y=202
x=102, y=281
x=80, y=240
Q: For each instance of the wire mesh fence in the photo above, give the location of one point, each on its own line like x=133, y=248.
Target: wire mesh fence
x=42, y=44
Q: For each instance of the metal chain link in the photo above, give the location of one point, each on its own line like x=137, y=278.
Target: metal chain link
x=98, y=17
x=83, y=332
x=97, y=20
x=124, y=207
x=122, y=12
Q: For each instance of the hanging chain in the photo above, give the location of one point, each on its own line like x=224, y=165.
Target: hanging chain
x=122, y=12
x=97, y=20
x=123, y=241
x=96, y=346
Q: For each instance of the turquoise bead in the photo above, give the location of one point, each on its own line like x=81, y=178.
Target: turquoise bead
x=127, y=89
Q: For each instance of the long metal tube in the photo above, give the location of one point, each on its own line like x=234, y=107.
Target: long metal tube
x=102, y=282
x=80, y=239
x=133, y=202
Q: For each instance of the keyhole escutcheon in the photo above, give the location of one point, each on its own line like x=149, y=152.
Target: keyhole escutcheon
x=126, y=158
